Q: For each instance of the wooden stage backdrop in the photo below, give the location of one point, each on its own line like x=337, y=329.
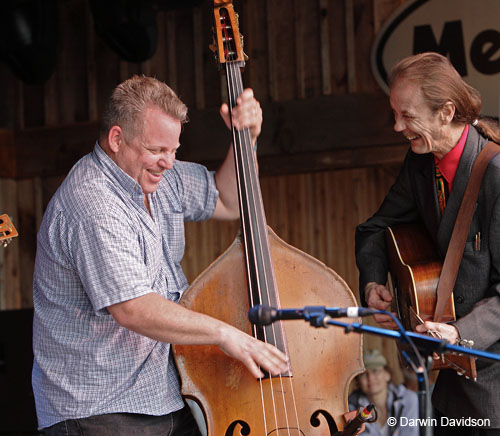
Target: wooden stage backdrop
x=327, y=152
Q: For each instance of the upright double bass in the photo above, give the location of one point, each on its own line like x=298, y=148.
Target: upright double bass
x=260, y=268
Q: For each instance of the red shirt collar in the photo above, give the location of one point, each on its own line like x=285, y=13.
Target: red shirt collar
x=449, y=163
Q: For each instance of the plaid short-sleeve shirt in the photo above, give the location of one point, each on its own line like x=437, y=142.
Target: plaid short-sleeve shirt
x=98, y=246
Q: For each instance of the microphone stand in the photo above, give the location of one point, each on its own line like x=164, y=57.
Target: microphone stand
x=319, y=317
x=420, y=345
x=428, y=344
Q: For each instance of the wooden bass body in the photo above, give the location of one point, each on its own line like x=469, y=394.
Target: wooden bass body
x=323, y=361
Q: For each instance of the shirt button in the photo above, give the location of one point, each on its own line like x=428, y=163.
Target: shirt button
x=459, y=299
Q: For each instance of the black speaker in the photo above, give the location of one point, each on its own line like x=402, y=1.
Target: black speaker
x=17, y=405
x=127, y=26
x=29, y=38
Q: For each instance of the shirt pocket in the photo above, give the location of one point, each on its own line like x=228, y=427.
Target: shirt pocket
x=475, y=236
x=172, y=231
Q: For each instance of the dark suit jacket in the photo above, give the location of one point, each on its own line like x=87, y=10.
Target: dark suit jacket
x=413, y=197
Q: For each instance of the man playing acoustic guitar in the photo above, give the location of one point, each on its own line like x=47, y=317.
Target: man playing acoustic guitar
x=438, y=113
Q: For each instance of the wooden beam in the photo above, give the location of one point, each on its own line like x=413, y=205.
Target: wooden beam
x=319, y=124
x=337, y=131
x=327, y=160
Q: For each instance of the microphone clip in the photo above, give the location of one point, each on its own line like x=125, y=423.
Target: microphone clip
x=317, y=316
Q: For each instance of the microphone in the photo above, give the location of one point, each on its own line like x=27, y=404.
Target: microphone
x=265, y=315
x=354, y=425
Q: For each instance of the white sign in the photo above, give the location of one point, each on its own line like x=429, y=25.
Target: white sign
x=466, y=31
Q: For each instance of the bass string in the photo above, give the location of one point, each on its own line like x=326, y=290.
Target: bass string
x=258, y=240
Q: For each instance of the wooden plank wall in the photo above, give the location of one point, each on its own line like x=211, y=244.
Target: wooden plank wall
x=298, y=50
x=315, y=212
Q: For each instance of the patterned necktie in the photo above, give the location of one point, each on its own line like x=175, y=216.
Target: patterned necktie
x=441, y=187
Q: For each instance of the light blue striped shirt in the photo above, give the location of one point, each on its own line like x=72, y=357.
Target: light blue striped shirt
x=98, y=246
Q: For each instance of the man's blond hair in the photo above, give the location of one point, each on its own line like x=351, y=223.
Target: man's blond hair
x=132, y=97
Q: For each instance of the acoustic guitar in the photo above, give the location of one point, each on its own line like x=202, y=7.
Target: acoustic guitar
x=7, y=230
x=415, y=268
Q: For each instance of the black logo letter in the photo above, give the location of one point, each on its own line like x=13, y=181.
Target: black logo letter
x=452, y=43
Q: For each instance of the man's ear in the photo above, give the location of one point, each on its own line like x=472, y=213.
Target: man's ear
x=447, y=112
x=115, y=138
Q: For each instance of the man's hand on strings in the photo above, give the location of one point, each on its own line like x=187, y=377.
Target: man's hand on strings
x=246, y=114
x=440, y=330
x=254, y=354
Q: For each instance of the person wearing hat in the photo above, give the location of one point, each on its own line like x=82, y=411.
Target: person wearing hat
x=397, y=406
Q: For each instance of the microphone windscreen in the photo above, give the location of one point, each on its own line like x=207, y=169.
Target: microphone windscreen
x=261, y=315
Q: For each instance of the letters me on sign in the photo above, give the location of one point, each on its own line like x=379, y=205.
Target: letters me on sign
x=468, y=33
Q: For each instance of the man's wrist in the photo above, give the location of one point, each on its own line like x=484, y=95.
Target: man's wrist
x=370, y=286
